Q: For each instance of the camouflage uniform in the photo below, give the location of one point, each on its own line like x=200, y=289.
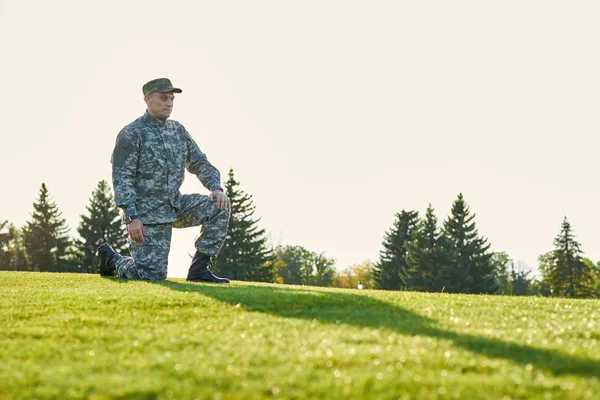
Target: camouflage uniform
x=149, y=162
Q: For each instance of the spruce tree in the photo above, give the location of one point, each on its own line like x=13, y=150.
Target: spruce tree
x=470, y=268
x=427, y=255
x=567, y=274
x=45, y=237
x=390, y=272
x=101, y=224
x=245, y=254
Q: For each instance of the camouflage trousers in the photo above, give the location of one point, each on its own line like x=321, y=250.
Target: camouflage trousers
x=149, y=259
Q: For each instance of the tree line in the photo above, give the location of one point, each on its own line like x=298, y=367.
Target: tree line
x=44, y=243
x=417, y=253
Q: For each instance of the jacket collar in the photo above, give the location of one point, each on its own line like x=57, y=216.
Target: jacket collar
x=149, y=119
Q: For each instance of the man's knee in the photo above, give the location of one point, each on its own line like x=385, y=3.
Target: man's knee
x=216, y=215
x=199, y=210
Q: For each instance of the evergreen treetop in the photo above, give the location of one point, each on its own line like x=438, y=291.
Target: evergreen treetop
x=45, y=236
x=567, y=274
x=470, y=267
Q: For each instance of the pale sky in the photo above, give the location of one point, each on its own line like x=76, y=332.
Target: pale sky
x=334, y=115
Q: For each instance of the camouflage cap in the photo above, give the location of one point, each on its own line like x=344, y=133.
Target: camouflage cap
x=162, y=85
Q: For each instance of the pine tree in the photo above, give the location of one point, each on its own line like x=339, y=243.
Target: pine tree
x=245, y=254
x=390, y=272
x=427, y=255
x=567, y=274
x=101, y=224
x=470, y=268
x=45, y=237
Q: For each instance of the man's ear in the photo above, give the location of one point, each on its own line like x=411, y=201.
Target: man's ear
x=147, y=99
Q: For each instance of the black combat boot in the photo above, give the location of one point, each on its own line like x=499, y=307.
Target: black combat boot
x=199, y=271
x=108, y=260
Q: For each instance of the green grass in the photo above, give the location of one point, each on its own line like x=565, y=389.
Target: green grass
x=83, y=336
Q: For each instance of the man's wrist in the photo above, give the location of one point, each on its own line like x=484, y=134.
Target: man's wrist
x=129, y=218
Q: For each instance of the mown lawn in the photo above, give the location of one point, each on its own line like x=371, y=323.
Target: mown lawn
x=84, y=336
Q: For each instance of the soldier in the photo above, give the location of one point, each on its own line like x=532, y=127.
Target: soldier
x=148, y=167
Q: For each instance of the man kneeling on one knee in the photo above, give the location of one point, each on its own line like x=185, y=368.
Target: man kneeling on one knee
x=149, y=161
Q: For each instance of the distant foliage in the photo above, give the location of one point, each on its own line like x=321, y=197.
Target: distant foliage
x=323, y=270
x=299, y=266
x=349, y=277
x=45, y=237
x=512, y=277
x=101, y=224
x=502, y=263
x=521, y=282
x=294, y=268
x=12, y=253
x=245, y=254
x=595, y=271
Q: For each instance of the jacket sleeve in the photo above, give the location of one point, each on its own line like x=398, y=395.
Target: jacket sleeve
x=124, y=168
x=197, y=164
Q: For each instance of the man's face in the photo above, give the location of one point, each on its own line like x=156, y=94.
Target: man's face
x=159, y=104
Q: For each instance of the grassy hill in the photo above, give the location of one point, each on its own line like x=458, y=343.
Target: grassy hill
x=84, y=336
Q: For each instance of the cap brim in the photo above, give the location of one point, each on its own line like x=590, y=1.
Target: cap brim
x=171, y=89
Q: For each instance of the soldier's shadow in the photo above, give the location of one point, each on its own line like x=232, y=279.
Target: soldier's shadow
x=363, y=311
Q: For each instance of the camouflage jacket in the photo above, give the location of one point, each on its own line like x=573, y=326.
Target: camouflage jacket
x=148, y=168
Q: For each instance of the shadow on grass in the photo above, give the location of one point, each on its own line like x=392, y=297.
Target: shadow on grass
x=363, y=311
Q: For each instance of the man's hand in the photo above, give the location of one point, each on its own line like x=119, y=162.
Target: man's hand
x=221, y=199
x=136, y=230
